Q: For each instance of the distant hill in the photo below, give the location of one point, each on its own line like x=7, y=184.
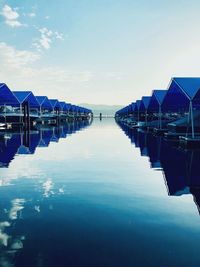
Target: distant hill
x=104, y=109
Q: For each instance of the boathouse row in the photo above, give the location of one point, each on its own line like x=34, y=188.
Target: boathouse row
x=22, y=107
x=174, y=111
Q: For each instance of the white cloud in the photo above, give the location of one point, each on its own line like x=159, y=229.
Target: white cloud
x=46, y=38
x=13, y=23
x=47, y=17
x=46, y=31
x=16, y=58
x=19, y=62
x=32, y=14
x=37, y=46
x=59, y=36
x=9, y=13
x=22, y=68
x=45, y=41
x=11, y=16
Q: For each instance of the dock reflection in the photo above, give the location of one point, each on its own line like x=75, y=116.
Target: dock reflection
x=13, y=234
x=180, y=167
x=22, y=142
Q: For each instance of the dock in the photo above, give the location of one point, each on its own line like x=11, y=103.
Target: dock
x=173, y=112
x=24, y=109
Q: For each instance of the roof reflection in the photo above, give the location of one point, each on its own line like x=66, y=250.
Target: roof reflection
x=23, y=142
x=180, y=168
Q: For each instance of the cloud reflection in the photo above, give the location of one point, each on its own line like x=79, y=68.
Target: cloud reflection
x=17, y=205
x=48, y=186
x=3, y=236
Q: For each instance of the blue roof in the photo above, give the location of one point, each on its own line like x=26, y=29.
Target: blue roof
x=144, y=103
x=55, y=103
x=62, y=104
x=160, y=95
x=146, y=100
x=68, y=105
x=86, y=110
x=44, y=102
x=6, y=96
x=190, y=85
x=133, y=106
x=137, y=105
x=180, y=92
x=81, y=109
x=26, y=96
x=126, y=110
x=156, y=100
x=73, y=108
x=78, y=109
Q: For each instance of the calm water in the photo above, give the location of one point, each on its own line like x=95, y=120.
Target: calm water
x=84, y=196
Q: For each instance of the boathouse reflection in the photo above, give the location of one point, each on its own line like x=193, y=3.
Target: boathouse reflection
x=21, y=141
x=180, y=167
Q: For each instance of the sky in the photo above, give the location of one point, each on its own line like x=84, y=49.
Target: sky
x=98, y=51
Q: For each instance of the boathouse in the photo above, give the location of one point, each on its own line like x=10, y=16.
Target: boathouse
x=144, y=106
x=155, y=107
x=7, y=101
x=55, y=105
x=45, y=104
x=7, y=98
x=183, y=97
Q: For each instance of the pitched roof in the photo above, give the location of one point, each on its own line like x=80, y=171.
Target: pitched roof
x=6, y=96
x=144, y=103
x=189, y=85
x=44, y=102
x=55, y=103
x=28, y=96
x=156, y=100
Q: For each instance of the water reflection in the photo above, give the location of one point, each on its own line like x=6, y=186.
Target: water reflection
x=23, y=142
x=180, y=167
x=10, y=244
x=87, y=201
x=12, y=144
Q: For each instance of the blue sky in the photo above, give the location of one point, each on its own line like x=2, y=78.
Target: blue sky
x=98, y=51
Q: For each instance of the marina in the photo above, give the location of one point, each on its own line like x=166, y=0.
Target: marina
x=99, y=133
x=174, y=112
x=22, y=108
